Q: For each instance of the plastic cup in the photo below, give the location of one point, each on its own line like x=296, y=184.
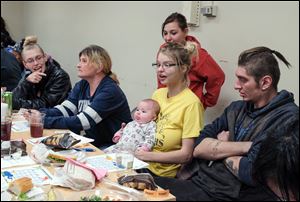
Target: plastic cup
x=5, y=128
x=125, y=159
x=4, y=110
x=36, y=122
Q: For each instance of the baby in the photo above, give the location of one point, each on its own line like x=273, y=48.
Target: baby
x=139, y=133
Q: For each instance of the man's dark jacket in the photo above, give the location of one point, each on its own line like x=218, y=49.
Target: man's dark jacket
x=11, y=70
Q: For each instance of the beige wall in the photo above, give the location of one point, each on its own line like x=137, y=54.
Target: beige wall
x=130, y=31
x=12, y=13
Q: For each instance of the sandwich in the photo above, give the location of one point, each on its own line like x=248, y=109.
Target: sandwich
x=21, y=185
x=56, y=158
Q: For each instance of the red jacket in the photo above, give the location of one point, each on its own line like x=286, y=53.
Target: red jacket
x=204, y=71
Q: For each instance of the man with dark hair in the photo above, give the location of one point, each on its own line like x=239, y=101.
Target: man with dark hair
x=226, y=149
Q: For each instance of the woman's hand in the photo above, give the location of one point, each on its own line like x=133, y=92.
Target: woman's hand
x=27, y=112
x=141, y=154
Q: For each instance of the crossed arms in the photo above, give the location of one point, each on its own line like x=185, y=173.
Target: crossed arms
x=222, y=148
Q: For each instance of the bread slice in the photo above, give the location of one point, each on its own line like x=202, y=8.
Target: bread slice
x=21, y=185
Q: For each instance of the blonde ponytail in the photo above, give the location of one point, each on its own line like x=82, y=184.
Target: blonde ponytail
x=30, y=40
x=114, y=77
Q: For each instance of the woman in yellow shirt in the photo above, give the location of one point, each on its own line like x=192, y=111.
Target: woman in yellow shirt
x=181, y=117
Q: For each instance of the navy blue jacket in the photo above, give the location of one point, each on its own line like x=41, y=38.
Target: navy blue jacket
x=98, y=116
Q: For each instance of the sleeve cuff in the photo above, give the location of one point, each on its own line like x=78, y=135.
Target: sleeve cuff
x=245, y=171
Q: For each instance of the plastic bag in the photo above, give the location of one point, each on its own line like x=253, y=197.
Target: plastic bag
x=60, y=141
x=15, y=145
x=75, y=177
x=138, y=181
x=40, y=152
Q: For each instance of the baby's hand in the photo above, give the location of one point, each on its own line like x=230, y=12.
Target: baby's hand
x=140, y=154
x=118, y=134
x=123, y=126
x=143, y=148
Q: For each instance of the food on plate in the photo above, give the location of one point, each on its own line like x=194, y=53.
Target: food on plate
x=158, y=192
x=138, y=181
x=56, y=158
x=98, y=198
x=51, y=195
x=91, y=198
x=23, y=197
x=105, y=194
x=61, y=141
x=20, y=185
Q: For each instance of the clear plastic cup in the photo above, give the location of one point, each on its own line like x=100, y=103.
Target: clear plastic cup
x=36, y=122
x=125, y=159
x=6, y=128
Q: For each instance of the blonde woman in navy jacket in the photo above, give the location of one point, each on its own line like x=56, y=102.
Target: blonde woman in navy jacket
x=96, y=106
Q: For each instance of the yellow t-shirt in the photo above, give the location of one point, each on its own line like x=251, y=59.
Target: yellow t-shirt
x=180, y=117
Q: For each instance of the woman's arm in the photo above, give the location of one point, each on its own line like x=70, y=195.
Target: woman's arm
x=180, y=156
x=215, y=79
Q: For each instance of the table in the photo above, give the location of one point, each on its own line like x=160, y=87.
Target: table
x=69, y=194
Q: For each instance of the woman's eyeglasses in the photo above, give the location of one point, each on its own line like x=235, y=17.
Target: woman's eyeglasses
x=38, y=59
x=163, y=65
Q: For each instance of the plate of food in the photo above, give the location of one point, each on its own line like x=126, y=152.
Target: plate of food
x=102, y=195
x=22, y=189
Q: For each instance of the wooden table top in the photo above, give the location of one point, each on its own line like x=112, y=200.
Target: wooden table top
x=69, y=194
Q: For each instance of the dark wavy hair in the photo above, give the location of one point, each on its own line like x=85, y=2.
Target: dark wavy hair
x=6, y=39
x=260, y=61
x=278, y=159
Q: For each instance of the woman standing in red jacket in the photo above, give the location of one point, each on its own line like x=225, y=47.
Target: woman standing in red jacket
x=205, y=72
